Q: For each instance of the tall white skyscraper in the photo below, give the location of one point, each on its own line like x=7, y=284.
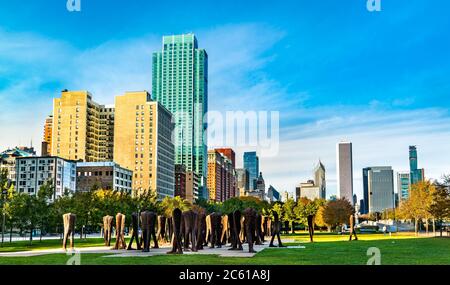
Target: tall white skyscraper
x=344, y=170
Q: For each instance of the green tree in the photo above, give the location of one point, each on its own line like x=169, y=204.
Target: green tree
x=417, y=206
x=168, y=204
x=231, y=205
x=289, y=213
x=278, y=208
x=147, y=200
x=440, y=205
x=60, y=206
x=6, y=194
x=319, y=220
x=42, y=206
x=337, y=212
x=305, y=208
x=83, y=206
x=29, y=211
x=209, y=206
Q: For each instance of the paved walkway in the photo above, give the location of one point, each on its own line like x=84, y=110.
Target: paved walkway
x=223, y=252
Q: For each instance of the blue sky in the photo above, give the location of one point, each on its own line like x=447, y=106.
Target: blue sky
x=334, y=71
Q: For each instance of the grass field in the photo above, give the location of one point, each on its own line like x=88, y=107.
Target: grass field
x=47, y=244
x=328, y=249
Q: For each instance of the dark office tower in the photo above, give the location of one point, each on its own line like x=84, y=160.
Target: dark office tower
x=378, y=188
x=251, y=163
x=365, y=190
x=362, y=208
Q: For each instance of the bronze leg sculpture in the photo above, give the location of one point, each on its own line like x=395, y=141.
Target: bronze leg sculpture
x=161, y=234
x=276, y=228
x=187, y=228
x=120, y=227
x=69, y=229
x=107, y=227
x=258, y=232
x=176, y=239
x=311, y=227
x=236, y=228
x=250, y=218
x=134, y=233
x=145, y=225
x=201, y=228
x=225, y=230
x=352, y=228
x=152, y=232
x=217, y=229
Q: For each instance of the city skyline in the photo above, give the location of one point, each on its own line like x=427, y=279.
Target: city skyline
x=262, y=72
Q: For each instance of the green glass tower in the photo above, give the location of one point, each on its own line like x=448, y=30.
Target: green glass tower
x=180, y=83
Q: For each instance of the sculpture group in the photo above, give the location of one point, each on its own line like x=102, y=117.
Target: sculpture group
x=193, y=230
x=190, y=230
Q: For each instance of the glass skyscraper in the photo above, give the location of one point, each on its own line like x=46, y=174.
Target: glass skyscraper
x=416, y=174
x=180, y=83
x=251, y=163
x=403, y=185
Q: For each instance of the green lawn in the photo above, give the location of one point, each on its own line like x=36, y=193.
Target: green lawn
x=327, y=250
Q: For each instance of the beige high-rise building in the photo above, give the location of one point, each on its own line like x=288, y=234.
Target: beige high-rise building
x=48, y=127
x=221, y=181
x=192, y=182
x=142, y=142
x=82, y=129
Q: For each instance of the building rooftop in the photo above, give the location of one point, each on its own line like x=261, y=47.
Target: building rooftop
x=18, y=152
x=98, y=164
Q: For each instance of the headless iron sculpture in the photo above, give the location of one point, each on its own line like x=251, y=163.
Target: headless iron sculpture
x=311, y=227
x=188, y=231
x=276, y=228
x=224, y=237
x=259, y=236
x=107, y=228
x=236, y=243
x=176, y=239
x=161, y=233
x=69, y=220
x=250, y=227
x=200, y=228
x=120, y=235
x=135, y=232
x=352, y=228
x=148, y=220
